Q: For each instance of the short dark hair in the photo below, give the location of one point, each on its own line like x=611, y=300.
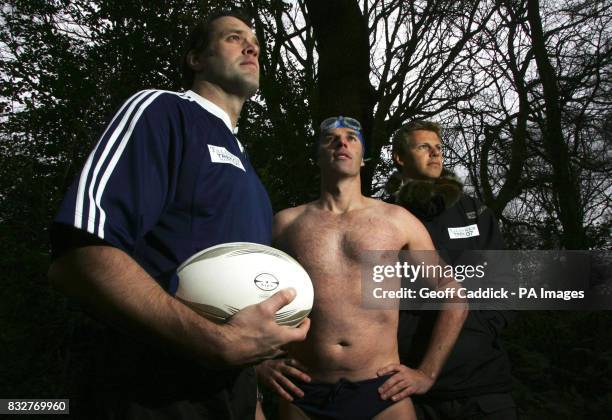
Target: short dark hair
x=199, y=38
x=399, y=137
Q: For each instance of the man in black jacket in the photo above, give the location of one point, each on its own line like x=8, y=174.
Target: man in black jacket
x=475, y=382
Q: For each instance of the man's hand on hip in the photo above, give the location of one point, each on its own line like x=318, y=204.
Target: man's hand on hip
x=276, y=375
x=403, y=382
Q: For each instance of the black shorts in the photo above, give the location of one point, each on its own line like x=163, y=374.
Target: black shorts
x=343, y=400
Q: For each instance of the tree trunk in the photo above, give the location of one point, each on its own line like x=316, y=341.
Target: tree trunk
x=564, y=182
x=344, y=87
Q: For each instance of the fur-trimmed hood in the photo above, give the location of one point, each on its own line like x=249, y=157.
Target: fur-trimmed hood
x=426, y=199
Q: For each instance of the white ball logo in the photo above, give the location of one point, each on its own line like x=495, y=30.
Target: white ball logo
x=266, y=282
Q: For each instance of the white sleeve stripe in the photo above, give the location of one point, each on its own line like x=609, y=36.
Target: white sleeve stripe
x=93, y=203
x=101, y=160
x=85, y=192
x=80, y=198
x=115, y=158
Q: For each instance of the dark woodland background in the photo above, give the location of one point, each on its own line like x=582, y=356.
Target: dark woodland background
x=523, y=88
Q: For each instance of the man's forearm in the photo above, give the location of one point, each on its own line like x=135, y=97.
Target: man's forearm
x=450, y=320
x=443, y=338
x=116, y=289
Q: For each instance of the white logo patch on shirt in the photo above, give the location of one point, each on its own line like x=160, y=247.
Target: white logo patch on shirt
x=222, y=155
x=463, y=232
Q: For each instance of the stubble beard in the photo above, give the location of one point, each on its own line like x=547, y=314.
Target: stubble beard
x=338, y=172
x=233, y=81
x=242, y=85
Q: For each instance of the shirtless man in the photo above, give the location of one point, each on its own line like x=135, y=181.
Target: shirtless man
x=348, y=345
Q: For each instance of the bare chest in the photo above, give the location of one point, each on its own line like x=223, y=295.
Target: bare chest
x=329, y=245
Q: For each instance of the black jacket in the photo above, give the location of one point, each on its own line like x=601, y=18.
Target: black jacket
x=477, y=364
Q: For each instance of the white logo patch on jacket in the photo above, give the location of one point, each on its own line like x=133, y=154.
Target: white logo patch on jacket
x=463, y=232
x=220, y=154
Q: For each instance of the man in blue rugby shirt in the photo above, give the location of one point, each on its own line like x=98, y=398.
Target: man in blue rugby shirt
x=167, y=179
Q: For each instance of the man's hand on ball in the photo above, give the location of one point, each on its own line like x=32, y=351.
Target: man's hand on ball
x=253, y=334
x=277, y=375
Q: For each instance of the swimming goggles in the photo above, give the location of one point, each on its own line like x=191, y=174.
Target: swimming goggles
x=343, y=122
x=340, y=122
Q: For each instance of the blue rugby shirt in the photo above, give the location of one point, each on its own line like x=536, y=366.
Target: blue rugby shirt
x=167, y=179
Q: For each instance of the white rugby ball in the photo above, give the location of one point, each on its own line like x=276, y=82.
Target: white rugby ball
x=221, y=280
